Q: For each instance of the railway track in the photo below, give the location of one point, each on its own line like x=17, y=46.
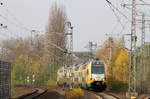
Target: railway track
x=107, y=95
x=38, y=92
x=104, y=95
x=145, y=97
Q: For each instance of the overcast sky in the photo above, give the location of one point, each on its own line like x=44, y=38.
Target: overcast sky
x=91, y=19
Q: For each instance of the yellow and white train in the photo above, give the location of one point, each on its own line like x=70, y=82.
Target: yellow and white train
x=88, y=75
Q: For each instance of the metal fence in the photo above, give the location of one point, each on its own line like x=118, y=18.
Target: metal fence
x=5, y=80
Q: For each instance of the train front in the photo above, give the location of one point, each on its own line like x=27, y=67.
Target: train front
x=98, y=75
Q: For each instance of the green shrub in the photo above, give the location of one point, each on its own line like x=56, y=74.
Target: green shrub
x=118, y=86
x=75, y=93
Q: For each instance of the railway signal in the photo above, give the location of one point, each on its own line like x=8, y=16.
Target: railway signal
x=33, y=78
x=69, y=46
x=69, y=41
x=28, y=79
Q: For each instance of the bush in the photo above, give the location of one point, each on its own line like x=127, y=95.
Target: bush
x=75, y=93
x=50, y=82
x=118, y=86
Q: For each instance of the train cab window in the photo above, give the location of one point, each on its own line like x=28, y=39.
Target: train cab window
x=98, y=68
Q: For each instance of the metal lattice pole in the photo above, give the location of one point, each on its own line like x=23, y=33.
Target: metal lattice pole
x=70, y=42
x=92, y=48
x=144, y=52
x=28, y=76
x=110, y=61
x=69, y=35
x=132, y=67
x=142, y=67
x=71, y=45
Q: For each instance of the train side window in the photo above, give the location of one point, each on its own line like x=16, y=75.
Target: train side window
x=87, y=71
x=61, y=71
x=84, y=66
x=80, y=73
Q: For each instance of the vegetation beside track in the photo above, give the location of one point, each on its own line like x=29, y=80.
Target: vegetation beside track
x=120, y=62
x=75, y=93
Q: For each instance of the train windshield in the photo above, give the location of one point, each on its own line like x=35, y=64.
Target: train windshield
x=98, y=68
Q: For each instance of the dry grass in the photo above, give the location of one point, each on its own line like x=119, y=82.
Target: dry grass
x=75, y=93
x=19, y=91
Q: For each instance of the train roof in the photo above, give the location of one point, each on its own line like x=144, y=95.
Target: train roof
x=97, y=60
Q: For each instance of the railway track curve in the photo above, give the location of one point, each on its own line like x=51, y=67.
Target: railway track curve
x=38, y=92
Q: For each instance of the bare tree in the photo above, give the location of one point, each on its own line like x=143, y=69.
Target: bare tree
x=55, y=35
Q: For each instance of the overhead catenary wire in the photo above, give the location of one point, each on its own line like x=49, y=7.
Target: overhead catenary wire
x=119, y=20
x=113, y=8
x=118, y=10
x=13, y=23
x=18, y=24
x=63, y=50
x=114, y=28
x=7, y=35
x=123, y=13
x=17, y=20
x=123, y=27
x=143, y=1
x=137, y=11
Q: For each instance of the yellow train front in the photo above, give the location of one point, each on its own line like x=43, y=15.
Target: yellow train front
x=87, y=75
x=92, y=75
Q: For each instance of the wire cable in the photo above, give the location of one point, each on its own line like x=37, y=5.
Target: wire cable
x=113, y=8
x=17, y=20
x=118, y=10
x=119, y=20
x=13, y=23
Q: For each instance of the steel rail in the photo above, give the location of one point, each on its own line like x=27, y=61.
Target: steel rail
x=117, y=97
x=95, y=93
x=38, y=92
x=103, y=95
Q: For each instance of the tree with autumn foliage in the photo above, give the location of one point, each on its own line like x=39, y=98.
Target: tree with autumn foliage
x=121, y=64
x=38, y=55
x=120, y=60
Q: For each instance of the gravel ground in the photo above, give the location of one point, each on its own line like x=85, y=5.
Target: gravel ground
x=144, y=96
x=17, y=91
x=55, y=92
x=51, y=95
x=122, y=95
x=88, y=95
